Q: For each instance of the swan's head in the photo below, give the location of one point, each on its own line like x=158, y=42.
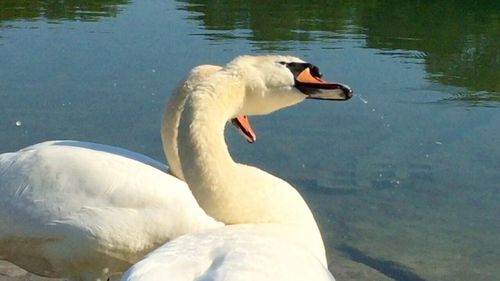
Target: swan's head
x=275, y=82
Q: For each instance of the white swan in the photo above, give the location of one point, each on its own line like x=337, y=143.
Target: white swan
x=85, y=211
x=274, y=235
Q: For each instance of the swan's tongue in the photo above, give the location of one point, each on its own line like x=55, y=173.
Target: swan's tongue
x=316, y=88
x=243, y=124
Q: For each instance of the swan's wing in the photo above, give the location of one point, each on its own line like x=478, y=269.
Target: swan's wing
x=71, y=200
x=104, y=148
x=236, y=253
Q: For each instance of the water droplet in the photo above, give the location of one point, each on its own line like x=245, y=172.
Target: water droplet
x=19, y=123
x=362, y=99
x=395, y=182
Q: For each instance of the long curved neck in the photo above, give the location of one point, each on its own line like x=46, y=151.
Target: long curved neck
x=231, y=192
x=205, y=159
x=169, y=129
x=172, y=115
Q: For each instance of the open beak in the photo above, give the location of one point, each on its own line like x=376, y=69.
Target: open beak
x=309, y=82
x=243, y=124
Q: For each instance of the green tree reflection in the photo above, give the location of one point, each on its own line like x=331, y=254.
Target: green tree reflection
x=269, y=21
x=459, y=40
x=56, y=10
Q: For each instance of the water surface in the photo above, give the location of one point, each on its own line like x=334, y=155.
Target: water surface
x=403, y=178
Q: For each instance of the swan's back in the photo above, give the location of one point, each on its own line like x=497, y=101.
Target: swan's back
x=236, y=253
x=75, y=206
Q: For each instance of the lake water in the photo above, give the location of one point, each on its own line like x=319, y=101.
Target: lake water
x=403, y=178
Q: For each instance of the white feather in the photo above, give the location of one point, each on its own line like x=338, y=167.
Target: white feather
x=236, y=253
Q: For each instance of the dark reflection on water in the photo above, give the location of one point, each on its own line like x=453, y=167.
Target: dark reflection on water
x=392, y=269
x=53, y=11
x=458, y=41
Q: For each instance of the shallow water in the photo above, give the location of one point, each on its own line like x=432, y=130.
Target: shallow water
x=403, y=178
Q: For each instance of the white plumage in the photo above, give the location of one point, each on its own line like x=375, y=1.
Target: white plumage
x=73, y=209
x=86, y=211
x=236, y=253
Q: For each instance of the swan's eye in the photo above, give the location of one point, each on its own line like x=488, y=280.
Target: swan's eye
x=282, y=62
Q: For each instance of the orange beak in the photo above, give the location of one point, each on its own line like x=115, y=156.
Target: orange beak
x=243, y=124
x=306, y=77
x=309, y=82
